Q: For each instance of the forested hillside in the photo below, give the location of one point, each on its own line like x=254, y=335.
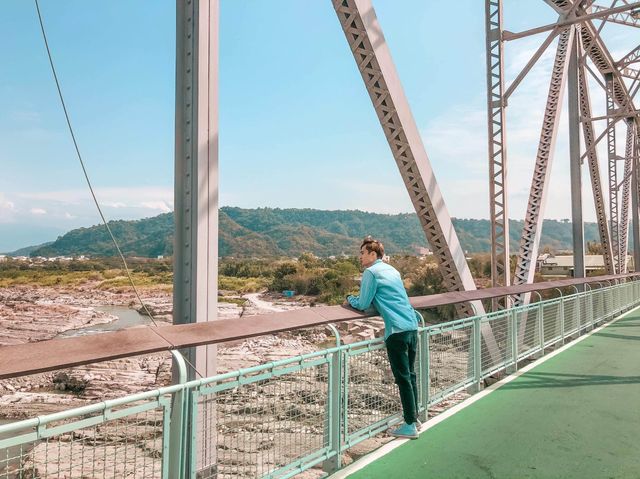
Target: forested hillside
x=271, y=232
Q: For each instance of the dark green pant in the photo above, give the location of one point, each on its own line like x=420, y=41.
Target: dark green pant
x=402, y=349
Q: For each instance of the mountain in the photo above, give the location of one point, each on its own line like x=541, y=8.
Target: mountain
x=28, y=250
x=270, y=232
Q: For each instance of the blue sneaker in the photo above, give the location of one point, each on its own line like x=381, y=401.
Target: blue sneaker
x=406, y=430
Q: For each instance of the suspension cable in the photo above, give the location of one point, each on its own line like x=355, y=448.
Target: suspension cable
x=93, y=195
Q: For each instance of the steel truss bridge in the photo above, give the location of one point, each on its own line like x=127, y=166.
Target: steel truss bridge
x=184, y=430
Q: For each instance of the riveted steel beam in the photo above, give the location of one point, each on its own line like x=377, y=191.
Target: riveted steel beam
x=626, y=17
x=373, y=58
x=612, y=170
x=498, y=202
x=575, y=166
x=508, y=36
x=626, y=189
x=530, y=239
x=632, y=57
x=594, y=169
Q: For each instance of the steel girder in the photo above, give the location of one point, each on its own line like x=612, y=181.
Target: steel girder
x=599, y=55
x=626, y=187
x=635, y=195
x=632, y=57
x=374, y=61
x=612, y=162
x=530, y=239
x=594, y=168
x=622, y=18
x=500, y=269
x=575, y=165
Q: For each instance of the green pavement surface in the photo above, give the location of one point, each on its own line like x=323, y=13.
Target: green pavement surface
x=575, y=416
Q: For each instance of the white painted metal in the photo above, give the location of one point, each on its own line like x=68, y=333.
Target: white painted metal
x=369, y=48
x=632, y=57
x=594, y=170
x=196, y=192
x=574, y=159
x=622, y=18
x=626, y=187
x=498, y=201
x=612, y=170
x=530, y=239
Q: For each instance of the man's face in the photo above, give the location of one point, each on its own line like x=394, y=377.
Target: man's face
x=367, y=258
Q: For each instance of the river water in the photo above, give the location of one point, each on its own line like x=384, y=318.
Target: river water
x=127, y=318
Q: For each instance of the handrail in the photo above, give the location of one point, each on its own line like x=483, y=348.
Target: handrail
x=30, y=358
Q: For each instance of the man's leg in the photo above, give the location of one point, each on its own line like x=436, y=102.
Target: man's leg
x=412, y=353
x=398, y=353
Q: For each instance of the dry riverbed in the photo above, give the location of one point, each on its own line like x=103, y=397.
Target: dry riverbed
x=29, y=314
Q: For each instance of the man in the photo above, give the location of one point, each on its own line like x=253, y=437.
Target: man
x=382, y=286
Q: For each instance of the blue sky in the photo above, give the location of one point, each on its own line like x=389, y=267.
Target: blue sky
x=297, y=128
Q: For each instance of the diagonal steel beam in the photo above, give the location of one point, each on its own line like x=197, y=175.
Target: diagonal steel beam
x=622, y=17
x=532, y=61
x=508, y=36
x=595, y=48
x=632, y=57
x=594, y=169
x=373, y=58
x=530, y=239
x=500, y=268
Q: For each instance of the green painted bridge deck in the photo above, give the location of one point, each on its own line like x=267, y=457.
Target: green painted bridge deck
x=577, y=415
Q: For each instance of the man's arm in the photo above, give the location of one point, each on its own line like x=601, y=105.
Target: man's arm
x=367, y=292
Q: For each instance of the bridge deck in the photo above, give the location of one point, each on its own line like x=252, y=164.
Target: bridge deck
x=575, y=415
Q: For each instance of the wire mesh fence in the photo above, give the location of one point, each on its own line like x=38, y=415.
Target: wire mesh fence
x=91, y=442
x=450, y=358
x=496, y=342
x=260, y=423
x=278, y=419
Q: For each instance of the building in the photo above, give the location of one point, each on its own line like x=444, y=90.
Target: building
x=562, y=265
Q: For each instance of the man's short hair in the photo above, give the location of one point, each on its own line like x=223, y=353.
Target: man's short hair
x=373, y=245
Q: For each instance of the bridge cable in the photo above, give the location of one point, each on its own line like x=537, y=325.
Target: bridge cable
x=95, y=200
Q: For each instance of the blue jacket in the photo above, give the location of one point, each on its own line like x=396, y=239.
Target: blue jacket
x=382, y=286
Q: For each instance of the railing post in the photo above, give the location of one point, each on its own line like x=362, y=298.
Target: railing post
x=425, y=376
x=540, y=324
x=477, y=355
x=513, y=338
x=561, y=315
x=334, y=402
x=176, y=456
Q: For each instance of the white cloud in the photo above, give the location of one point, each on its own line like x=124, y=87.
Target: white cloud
x=38, y=211
x=69, y=216
x=157, y=205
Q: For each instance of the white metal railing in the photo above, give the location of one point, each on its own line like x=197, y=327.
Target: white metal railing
x=280, y=418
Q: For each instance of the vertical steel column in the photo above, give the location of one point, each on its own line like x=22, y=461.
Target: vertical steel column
x=574, y=161
x=373, y=58
x=196, y=188
x=613, y=172
x=500, y=270
x=634, y=199
x=538, y=195
x=626, y=187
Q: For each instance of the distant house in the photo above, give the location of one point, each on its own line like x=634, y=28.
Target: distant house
x=562, y=265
